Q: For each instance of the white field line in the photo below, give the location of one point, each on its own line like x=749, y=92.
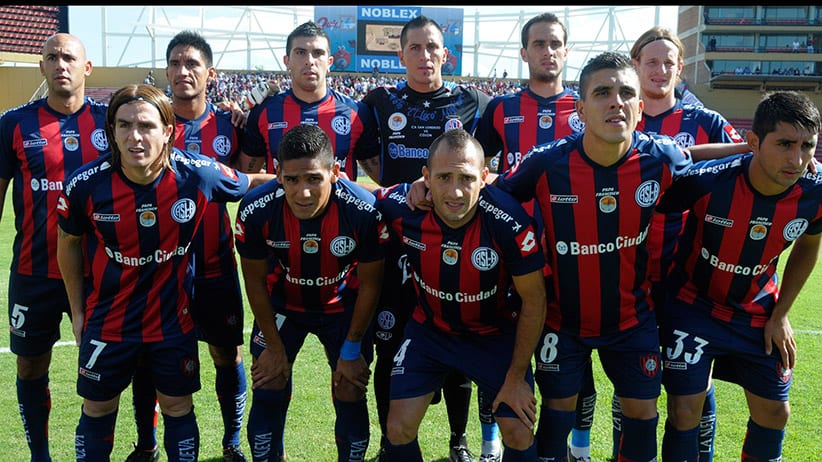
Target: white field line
x=248, y=331
x=64, y=344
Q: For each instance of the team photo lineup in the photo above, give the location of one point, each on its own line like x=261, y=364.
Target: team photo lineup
x=482, y=246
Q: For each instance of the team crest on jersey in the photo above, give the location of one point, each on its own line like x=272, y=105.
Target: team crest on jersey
x=452, y=124
x=758, y=232
x=99, y=139
x=386, y=320
x=794, y=229
x=649, y=364
x=342, y=245
x=147, y=219
x=397, y=121
x=221, y=145
x=311, y=246
x=189, y=366
x=545, y=121
x=341, y=125
x=647, y=193
x=684, y=140
x=484, y=258
x=574, y=122
x=183, y=210
x=193, y=146
x=607, y=204
x=450, y=256
x=71, y=143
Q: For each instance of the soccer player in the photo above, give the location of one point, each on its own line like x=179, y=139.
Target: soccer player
x=217, y=302
x=324, y=238
x=725, y=303
x=545, y=110
x=347, y=123
x=658, y=56
x=466, y=255
x=409, y=116
x=127, y=221
x=511, y=125
x=42, y=142
x=596, y=192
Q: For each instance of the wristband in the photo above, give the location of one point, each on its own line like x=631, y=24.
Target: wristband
x=350, y=350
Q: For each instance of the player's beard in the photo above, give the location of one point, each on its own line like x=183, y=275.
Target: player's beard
x=547, y=76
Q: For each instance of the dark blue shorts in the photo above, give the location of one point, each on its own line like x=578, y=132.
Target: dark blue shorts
x=692, y=340
x=36, y=307
x=106, y=368
x=217, y=310
x=630, y=359
x=427, y=355
x=397, y=301
x=294, y=327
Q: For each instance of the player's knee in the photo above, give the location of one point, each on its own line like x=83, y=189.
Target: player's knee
x=684, y=413
x=398, y=431
x=642, y=409
x=515, y=434
x=773, y=415
x=225, y=356
x=99, y=408
x=33, y=367
x=175, y=406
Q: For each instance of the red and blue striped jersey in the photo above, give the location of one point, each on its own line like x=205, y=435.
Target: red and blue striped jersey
x=733, y=237
x=687, y=125
x=409, y=122
x=348, y=124
x=138, y=239
x=596, y=223
x=212, y=135
x=316, y=258
x=39, y=148
x=463, y=276
x=512, y=124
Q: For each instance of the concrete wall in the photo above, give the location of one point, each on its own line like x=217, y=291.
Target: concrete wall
x=738, y=104
x=18, y=84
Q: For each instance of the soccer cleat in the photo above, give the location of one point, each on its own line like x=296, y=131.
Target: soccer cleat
x=460, y=454
x=573, y=458
x=233, y=454
x=141, y=455
x=491, y=457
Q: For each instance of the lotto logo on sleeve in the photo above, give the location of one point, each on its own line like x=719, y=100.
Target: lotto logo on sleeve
x=527, y=242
